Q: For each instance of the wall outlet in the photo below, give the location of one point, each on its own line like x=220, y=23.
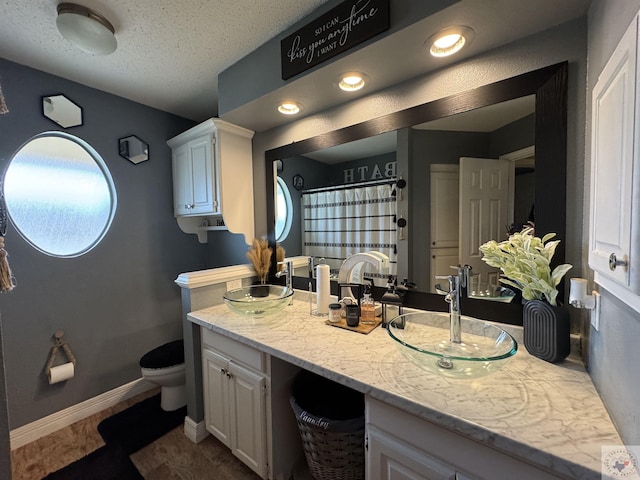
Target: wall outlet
x=595, y=313
x=233, y=284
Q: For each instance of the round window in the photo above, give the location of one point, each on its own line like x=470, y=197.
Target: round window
x=59, y=194
x=284, y=210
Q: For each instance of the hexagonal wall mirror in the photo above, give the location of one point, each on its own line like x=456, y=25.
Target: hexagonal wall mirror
x=133, y=149
x=62, y=111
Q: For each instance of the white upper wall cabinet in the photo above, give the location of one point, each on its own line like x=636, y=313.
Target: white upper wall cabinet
x=213, y=179
x=614, y=241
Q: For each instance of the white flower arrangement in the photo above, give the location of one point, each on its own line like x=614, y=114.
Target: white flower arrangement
x=525, y=262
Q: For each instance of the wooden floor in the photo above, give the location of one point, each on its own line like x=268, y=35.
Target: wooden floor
x=172, y=456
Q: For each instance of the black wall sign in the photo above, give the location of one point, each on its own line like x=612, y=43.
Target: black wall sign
x=343, y=27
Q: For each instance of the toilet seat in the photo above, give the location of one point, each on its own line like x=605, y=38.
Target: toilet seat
x=164, y=356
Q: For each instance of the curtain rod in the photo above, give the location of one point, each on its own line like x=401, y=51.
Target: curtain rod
x=348, y=186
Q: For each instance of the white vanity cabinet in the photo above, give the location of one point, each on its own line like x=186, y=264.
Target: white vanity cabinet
x=213, y=178
x=235, y=392
x=195, y=186
x=401, y=446
x=614, y=243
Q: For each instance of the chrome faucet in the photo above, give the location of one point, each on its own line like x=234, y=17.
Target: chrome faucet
x=464, y=278
x=453, y=299
x=313, y=264
x=287, y=270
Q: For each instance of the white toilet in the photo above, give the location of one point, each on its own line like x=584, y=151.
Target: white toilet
x=164, y=366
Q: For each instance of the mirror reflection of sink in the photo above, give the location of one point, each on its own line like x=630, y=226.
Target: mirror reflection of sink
x=424, y=337
x=486, y=292
x=258, y=300
x=495, y=293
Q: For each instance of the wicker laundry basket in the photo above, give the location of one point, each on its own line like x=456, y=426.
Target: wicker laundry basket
x=330, y=418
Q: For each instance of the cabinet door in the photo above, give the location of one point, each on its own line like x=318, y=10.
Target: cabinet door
x=248, y=414
x=202, y=176
x=612, y=158
x=216, y=396
x=391, y=459
x=182, y=181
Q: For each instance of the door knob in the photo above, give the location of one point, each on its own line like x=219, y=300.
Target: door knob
x=614, y=262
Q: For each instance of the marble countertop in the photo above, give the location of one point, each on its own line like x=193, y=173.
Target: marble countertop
x=545, y=414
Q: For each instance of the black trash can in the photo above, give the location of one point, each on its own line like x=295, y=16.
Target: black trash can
x=330, y=418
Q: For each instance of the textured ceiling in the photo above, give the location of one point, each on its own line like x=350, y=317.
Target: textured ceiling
x=169, y=51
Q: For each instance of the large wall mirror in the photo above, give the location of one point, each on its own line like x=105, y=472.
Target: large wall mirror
x=521, y=120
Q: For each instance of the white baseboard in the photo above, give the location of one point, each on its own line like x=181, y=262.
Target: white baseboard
x=51, y=423
x=196, y=432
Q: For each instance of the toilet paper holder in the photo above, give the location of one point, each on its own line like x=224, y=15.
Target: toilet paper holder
x=59, y=343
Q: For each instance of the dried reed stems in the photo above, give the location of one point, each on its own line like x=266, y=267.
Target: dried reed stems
x=260, y=255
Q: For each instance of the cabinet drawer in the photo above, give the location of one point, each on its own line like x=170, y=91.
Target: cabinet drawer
x=235, y=350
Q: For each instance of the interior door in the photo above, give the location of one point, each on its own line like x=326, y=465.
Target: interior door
x=484, y=215
x=445, y=239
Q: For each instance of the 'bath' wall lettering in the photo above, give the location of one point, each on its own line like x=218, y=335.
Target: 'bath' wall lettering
x=364, y=174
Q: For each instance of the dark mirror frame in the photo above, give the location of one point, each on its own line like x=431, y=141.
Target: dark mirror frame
x=549, y=84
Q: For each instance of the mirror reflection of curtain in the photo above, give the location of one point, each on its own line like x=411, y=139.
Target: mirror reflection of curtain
x=339, y=222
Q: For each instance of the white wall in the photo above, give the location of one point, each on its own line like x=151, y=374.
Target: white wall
x=614, y=355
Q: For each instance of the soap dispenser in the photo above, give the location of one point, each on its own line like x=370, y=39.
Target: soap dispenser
x=367, y=306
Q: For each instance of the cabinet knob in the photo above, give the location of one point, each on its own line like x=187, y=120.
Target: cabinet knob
x=614, y=262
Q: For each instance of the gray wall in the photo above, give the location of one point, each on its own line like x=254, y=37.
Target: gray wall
x=119, y=300
x=259, y=72
x=614, y=355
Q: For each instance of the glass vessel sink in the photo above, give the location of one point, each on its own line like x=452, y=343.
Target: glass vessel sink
x=258, y=300
x=424, y=337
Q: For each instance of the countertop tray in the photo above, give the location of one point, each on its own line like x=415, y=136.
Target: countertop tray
x=360, y=328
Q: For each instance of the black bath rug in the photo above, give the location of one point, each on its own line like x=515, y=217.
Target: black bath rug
x=124, y=433
x=106, y=463
x=140, y=424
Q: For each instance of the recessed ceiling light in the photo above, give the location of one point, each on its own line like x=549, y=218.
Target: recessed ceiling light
x=289, y=108
x=450, y=40
x=86, y=29
x=352, y=81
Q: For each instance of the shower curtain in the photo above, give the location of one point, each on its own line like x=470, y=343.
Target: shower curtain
x=338, y=222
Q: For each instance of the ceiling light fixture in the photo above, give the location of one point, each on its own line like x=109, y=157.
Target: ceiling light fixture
x=352, y=81
x=450, y=40
x=289, y=108
x=86, y=29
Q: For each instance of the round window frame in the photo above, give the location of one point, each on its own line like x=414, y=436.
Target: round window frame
x=289, y=203
x=102, y=166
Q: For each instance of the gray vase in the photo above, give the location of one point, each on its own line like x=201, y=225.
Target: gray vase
x=546, y=330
